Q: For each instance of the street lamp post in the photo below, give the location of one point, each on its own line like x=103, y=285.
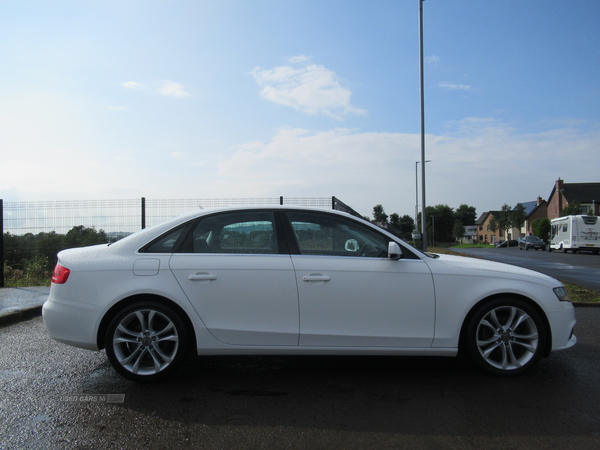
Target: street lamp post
x=418, y=230
x=421, y=76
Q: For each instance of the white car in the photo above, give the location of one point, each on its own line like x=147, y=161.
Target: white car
x=289, y=280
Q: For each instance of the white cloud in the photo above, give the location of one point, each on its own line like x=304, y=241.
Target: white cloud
x=172, y=89
x=454, y=86
x=167, y=87
x=434, y=60
x=479, y=165
x=306, y=87
x=132, y=85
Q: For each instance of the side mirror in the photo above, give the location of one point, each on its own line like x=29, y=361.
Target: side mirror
x=394, y=250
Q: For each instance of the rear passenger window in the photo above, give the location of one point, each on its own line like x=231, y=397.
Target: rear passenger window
x=241, y=232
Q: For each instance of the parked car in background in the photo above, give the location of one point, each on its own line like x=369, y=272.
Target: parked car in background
x=511, y=243
x=286, y=280
x=533, y=242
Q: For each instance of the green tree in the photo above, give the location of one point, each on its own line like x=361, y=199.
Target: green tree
x=81, y=236
x=541, y=227
x=572, y=210
x=465, y=214
x=458, y=230
x=493, y=224
x=518, y=216
x=511, y=217
x=379, y=214
x=505, y=219
x=440, y=223
x=407, y=225
x=47, y=245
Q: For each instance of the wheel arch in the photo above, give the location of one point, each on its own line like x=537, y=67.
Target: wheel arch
x=531, y=303
x=124, y=303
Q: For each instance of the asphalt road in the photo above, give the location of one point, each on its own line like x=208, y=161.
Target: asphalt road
x=55, y=397
x=581, y=269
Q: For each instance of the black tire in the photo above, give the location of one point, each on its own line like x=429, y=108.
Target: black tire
x=147, y=341
x=506, y=337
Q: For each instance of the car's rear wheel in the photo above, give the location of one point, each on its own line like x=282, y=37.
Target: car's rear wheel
x=147, y=341
x=506, y=336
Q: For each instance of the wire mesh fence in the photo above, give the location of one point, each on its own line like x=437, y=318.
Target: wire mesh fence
x=32, y=233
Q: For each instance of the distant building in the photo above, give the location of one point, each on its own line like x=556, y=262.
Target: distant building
x=533, y=210
x=485, y=234
x=564, y=194
x=470, y=235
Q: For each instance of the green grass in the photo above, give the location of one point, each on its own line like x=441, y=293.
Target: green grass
x=473, y=246
x=582, y=295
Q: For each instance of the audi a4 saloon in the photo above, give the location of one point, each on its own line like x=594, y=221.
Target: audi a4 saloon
x=292, y=280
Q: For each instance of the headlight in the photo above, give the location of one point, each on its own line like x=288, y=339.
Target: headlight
x=562, y=294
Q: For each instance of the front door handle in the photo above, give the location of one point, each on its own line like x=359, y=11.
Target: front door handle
x=316, y=277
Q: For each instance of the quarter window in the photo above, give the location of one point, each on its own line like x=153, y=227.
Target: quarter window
x=165, y=243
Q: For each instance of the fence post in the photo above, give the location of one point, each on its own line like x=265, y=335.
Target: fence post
x=281, y=200
x=143, y=212
x=2, y=241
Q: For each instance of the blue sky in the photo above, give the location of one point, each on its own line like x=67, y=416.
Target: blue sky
x=232, y=98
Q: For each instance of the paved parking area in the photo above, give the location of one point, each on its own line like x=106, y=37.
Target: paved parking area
x=56, y=397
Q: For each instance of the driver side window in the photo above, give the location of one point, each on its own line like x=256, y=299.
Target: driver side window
x=330, y=235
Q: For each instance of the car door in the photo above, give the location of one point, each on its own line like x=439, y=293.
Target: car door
x=350, y=293
x=241, y=287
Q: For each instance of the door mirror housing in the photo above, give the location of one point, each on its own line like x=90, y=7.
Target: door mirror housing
x=394, y=250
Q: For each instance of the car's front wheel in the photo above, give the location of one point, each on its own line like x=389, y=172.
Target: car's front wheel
x=506, y=336
x=147, y=341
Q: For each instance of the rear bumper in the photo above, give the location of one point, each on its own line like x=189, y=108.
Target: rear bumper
x=72, y=323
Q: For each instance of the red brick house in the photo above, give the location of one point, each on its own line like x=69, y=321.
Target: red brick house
x=534, y=210
x=563, y=194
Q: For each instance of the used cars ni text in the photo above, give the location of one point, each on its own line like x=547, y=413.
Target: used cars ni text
x=291, y=280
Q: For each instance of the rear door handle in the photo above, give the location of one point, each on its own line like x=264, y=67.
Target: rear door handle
x=316, y=277
x=202, y=277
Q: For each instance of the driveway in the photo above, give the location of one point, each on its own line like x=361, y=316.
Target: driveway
x=581, y=269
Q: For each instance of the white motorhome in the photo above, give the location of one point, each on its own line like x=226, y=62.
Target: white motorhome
x=575, y=233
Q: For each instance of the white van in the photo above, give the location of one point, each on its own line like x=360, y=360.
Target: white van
x=575, y=233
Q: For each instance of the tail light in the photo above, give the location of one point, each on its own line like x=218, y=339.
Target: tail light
x=60, y=274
